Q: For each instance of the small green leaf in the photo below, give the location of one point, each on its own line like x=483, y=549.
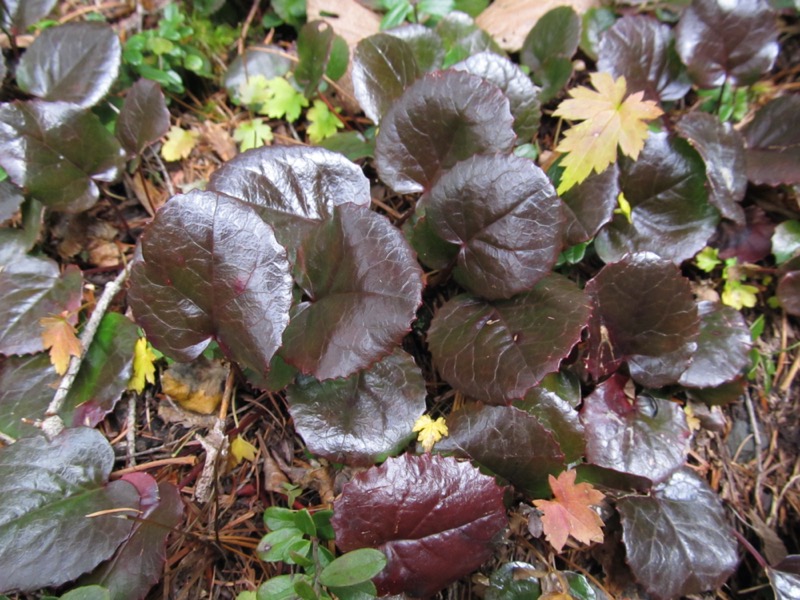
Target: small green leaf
x=284, y=100
x=276, y=545
x=252, y=134
x=338, y=59
x=305, y=522
x=322, y=520
x=87, y=592
x=303, y=589
x=277, y=517
x=707, y=259
x=363, y=591
x=353, y=568
x=786, y=241
x=279, y=588
x=322, y=122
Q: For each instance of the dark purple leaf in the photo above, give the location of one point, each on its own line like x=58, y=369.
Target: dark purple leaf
x=496, y=351
x=504, y=214
x=749, y=242
x=773, y=143
x=383, y=67
x=722, y=150
x=104, y=372
x=634, y=433
x=677, y=541
x=139, y=561
x=362, y=419
x=57, y=151
x=292, y=188
x=508, y=441
x=590, y=205
x=314, y=43
x=421, y=511
x=614, y=480
x=144, y=117
x=74, y=62
x=522, y=95
x=363, y=286
x=33, y=289
x=785, y=578
x=789, y=292
x=734, y=42
x=670, y=213
x=211, y=268
x=11, y=199
x=18, y=15
x=558, y=417
x=640, y=48
x=645, y=314
x=548, y=48
x=267, y=61
x=441, y=119
x=723, y=347
x=48, y=490
x=425, y=44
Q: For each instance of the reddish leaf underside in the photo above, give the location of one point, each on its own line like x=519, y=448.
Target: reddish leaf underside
x=433, y=517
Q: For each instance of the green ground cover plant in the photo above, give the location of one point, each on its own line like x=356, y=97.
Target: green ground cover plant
x=523, y=291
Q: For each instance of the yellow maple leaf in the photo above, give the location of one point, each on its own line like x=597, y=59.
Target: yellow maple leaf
x=59, y=336
x=143, y=367
x=241, y=450
x=430, y=431
x=179, y=143
x=569, y=513
x=609, y=120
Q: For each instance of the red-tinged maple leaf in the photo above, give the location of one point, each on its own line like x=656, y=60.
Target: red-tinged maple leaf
x=570, y=512
x=59, y=336
x=609, y=119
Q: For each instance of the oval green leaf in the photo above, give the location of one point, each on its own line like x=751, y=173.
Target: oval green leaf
x=353, y=568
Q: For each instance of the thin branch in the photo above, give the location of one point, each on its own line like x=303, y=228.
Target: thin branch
x=53, y=424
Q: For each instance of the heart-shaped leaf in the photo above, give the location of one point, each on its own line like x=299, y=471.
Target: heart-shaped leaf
x=292, y=188
x=34, y=289
x=645, y=314
x=362, y=419
x=211, y=268
x=677, y=541
x=138, y=563
x=773, y=143
x=496, y=351
x=383, y=67
x=509, y=442
x=49, y=492
x=734, y=42
x=57, y=151
x=640, y=48
x=504, y=214
x=144, y=117
x=723, y=347
x=421, y=511
x=670, y=214
x=358, y=307
x=722, y=150
x=439, y=120
x=74, y=62
x=522, y=95
x=638, y=434
x=590, y=205
x=548, y=48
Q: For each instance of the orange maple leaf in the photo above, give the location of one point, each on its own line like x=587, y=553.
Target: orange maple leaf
x=59, y=336
x=570, y=512
x=609, y=119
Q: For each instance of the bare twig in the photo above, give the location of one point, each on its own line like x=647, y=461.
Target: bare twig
x=52, y=424
x=130, y=435
x=757, y=440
